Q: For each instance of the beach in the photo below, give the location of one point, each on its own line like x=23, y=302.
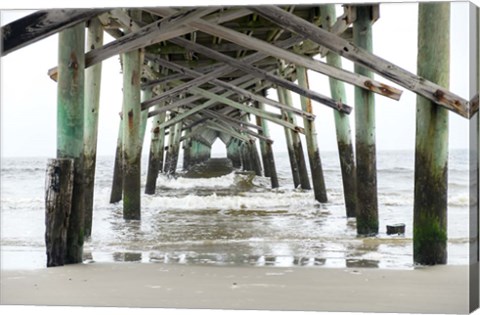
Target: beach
x=439, y=289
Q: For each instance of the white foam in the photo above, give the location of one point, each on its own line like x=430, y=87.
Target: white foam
x=186, y=183
x=266, y=200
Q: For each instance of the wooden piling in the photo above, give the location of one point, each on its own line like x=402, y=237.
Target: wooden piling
x=296, y=143
x=316, y=169
x=131, y=134
x=288, y=139
x=254, y=158
x=367, y=203
x=233, y=153
x=187, y=149
x=173, y=148
x=342, y=121
x=431, y=146
x=266, y=149
x=92, y=104
x=155, y=158
x=168, y=153
x=117, y=180
x=70, y=129
x=58, y=205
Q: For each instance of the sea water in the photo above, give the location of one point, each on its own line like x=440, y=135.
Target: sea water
x=228, y=221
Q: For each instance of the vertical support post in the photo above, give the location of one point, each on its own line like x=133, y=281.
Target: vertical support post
x=168, y=157
x=70, y=129
x=92, y=103
x=117, y=181
x=266, y=149
x=155, y=157
x=288, y=139
x=233, y=151
x=367, y=203
x=58, y=205
x=145, y=95
x=174, y=148
x=342, y=122
x=254, y=158
x=187, y=150
x=296, y=143
x=132, y=147
x=316, y=169
x=431, y=146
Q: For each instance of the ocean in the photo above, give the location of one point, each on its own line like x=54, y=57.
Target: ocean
x=224, y=221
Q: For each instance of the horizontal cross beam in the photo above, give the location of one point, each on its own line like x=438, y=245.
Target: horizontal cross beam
x=39, y=25
x=362, y=57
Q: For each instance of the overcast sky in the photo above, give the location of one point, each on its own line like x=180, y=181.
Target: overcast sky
x=28, y=95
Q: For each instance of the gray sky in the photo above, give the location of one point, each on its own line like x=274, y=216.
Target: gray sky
x=28, y=95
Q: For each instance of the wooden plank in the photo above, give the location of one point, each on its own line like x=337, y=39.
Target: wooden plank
x=408, y=80
x=39, y=25
x=272, y=50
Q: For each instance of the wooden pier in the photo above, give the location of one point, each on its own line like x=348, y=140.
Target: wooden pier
x=202, y=74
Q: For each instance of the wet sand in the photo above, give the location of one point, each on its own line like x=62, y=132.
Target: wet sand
x=441, y=289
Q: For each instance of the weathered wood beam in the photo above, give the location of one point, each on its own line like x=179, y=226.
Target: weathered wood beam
x=248, y=95
x=226, y=69
x=248, y=109
x=261, y=74
x=272, y=50
x=408, y=80
x=234, y=120
x=156, y=32
x=235, y=124
x=39, y=25
x=189, y=100
x=148, y=35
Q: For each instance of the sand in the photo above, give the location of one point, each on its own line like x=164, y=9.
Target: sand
x=440, y=289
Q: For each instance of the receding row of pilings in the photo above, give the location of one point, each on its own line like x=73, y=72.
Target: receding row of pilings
x=77, y=124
